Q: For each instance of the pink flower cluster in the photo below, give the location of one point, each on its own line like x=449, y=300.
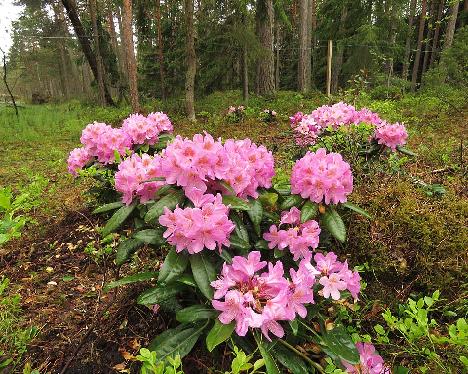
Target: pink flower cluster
x=261, y=300
x=307, y=128
x=299, y=238
x=77, y=159
x=391, y=135
x=199, y=162
x=371, y=361
x=322, y=177
x=132, y=178
x=196, y=228
x=233, y=109
x=145, y=130
x=336, y=277
x=101, y=141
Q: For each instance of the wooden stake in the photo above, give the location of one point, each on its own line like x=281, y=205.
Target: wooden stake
x=329, y=66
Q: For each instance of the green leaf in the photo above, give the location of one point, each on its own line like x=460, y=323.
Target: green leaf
x=268, y=199
x=270, y=364
x=339, y=343
x=117, y=219
x=290, y=360
x=140, y=277
x=178, y=341
x=107, y=207
x=334, y=224
x=261, y=244
x=235, y=202
x=357, y=209
x=151, y=236
x=125, y=249
x=225, y=255
x=238, y=243
x=227, y=186
x=240, y=230
x=159, y=294
x=256, y=214
x=309, y=211
x=290, y=201
x=174, y=265
x=283, y=188
x=294, y=326
x=406, y=151
x=169, y=201
x=218, y=334
x=204, y=273
x=186, y=279
x=195, y=313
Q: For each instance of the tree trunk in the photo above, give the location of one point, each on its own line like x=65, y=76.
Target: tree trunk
x=451, y=26
x=265, y=79
x=162, y=75
x=122, y=52
x=97, y=50
x=245, y=75
x=417, y=59
x=313, y=23
x=63, y=66
x=277, y=55
x=130, y=55
x=435, y=40
x=338, y=63
x=85, y=44
x=303, y=66
x=428, y=38
x=409, y=38
x=191, y=62
x=392, y=38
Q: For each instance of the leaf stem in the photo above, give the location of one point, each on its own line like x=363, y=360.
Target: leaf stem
x=299, y=353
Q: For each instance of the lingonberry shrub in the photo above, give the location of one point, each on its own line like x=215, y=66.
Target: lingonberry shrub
x=247, y=261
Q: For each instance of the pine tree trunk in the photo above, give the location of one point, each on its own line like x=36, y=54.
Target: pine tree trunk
x=277, y=55
x=245, y=76
x=122, y=52
x=162, y=75
x=313, y=23
x=130, y=54
x=85, y=44
x=64, y=71
x=100, y=69
x=338, y=56
x=435, y=40
x=303, y=66
x=417, y=59
x=191, y=62
x=392, y=38
x=265, y=79
x=428, y=38
x=409, y=38
x=451, y=26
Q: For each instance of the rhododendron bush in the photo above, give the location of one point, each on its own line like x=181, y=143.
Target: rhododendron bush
x=247, y=259
x=374, y=135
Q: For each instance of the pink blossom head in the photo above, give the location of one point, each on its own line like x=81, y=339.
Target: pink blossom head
x=296, y=118
x=391, y=135
x=322, y=177
x=77, y=159
x=161, y=121
x=197, y=228
x=140, y=129
x=370, y=361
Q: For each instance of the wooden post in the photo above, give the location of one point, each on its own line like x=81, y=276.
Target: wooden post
x=329, y=66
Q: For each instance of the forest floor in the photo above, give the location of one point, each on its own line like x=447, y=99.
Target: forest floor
x=60, y=265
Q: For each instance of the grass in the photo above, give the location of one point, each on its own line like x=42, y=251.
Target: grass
x=415, y=244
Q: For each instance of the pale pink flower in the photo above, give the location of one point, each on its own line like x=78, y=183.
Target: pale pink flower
x=370, y=361
x=77, y=159
x=332, y=285
x=391, y=135
x=322, y=177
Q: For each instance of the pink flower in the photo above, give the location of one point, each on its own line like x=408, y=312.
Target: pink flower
x=77, y=159
x=101, y=141
x=332, y=285
x=261, y=301
x=197, y=228
x=370, y=361
x=134, y=175
x=390, y=135
x=161, y=121
x=293, y=216
x=328, y=263
x=140, y=129
x=322, y=177
x=296, y=118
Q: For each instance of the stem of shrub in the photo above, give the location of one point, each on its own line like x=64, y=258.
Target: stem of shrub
x=296, y=351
